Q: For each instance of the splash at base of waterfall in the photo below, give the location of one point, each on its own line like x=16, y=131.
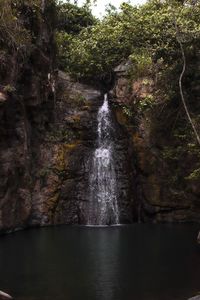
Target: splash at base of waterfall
x=103, y=205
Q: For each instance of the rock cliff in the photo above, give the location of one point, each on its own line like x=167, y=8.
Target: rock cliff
x=60, y=193
x=163, y=156
x=48, y=131
x=27, y=94
x=46, y=182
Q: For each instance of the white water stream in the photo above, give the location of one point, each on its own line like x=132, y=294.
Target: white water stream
x=103, y=206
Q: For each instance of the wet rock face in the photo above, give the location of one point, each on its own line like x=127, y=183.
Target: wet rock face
x=46, y=145
x=60, y=193
x=117, y=207
x=162, y=192
x=60, y=174
x=77, y=118
x=198, y=238
x=125, y=178
x=45, y=140
x=26, y=110
x=4, y=296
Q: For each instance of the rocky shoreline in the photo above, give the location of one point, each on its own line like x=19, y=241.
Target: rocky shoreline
x=4, y=296
x=198, y=238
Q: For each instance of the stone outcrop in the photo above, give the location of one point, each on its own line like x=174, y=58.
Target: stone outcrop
x=26, y=111
x=198, y=238
x=60, y=185
x=45, y=139
x=61, y=188
x=48, y=130
x=4, y=296
x=46, y=182
x=163, y=192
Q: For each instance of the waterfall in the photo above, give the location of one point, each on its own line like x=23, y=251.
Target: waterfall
x=43, y=5
x=103, y=206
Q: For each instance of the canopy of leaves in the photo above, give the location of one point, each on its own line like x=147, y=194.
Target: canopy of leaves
x=71, y=20
x=146, y=29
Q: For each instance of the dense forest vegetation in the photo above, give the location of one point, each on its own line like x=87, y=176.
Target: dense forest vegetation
x=88, y=48
x=156, y=38
x=147, y=35
x=160, y=40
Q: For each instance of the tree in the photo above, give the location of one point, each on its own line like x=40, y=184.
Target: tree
x=71, y=21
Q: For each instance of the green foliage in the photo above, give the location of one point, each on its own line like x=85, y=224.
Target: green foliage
x=195, y=175
x=146, y=103
x=147, y=34
x=13, y=35
x=9, y=88
x=23, y=29
x=171, y=153
x=127, y=111
x=78, y=99
x=20, y=24
x=63, y=40
x=142, y=63
x=61, y=135
x=95, y=51
x=181, y=154
x=71, y=20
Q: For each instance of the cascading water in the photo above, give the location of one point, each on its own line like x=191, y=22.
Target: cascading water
x=103, y=206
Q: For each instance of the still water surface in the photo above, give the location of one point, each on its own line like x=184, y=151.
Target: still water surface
x=138, y=262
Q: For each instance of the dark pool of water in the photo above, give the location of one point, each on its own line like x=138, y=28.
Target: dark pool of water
x=138, y=262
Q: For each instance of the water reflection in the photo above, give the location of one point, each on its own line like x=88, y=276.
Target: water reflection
x=141, y=262
x=103, y=257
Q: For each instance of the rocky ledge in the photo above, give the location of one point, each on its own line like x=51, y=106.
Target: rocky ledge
x=4, y=296
x=46, y=182
x=198, y=238
x=166, y=188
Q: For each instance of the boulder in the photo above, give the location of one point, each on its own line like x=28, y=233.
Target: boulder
x=4, y=296
x=198, y=238
x=3, y=97
x=123, y=68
